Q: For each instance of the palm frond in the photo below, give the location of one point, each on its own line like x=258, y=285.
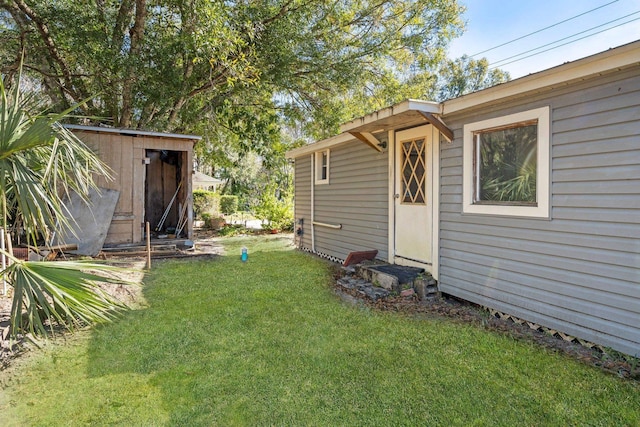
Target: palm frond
x=64, y=293
x=41, y=162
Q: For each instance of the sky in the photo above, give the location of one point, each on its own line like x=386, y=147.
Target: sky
x=490, y=23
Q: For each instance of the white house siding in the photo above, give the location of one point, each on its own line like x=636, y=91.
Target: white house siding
x=356, y=197
x=578, y=272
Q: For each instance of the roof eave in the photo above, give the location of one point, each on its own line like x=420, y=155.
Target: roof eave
x=389, y=112
x=132, y=132
x=410, y=112
x=615, y=58
x=320, y=145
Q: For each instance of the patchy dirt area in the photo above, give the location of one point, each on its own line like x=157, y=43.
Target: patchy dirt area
x=464, y=312
x=130, y=295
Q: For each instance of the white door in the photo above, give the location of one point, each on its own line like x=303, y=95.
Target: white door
x=413, y=198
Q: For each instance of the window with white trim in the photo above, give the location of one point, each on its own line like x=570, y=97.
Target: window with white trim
x=322, y=167
x=506, y=165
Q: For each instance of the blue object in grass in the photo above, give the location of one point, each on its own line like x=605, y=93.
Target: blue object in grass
x=245, y=256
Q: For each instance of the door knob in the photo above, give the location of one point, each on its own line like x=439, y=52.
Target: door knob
x=397, y=196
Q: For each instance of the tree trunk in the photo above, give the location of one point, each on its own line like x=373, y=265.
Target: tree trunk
x=136, y=33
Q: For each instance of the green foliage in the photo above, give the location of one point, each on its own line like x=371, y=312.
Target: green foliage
x=267, y=342
x=508, y=159
x=228, y=204
x=205, y=203
x=253, y=78
x=171, y=65
x=230, y=230
x=521, y=188
x=40, y=163
x=277, y=211
x=465, y=75
x=63, y=292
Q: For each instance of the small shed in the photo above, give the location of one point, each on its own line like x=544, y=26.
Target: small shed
x=152, y=172
x=202, y=181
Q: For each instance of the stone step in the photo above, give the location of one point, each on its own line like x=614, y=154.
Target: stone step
x=364, y=287
x=395, y=279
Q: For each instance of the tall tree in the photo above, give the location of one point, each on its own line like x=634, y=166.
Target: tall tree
x=465, y=75
x=167, y=64
x=236, y=72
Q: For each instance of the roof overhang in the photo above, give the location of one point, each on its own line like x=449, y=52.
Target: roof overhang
x=319, y=146
x=618, y=58
x=203, y=178
x=132, y=132
x=402, y=115
x=413, y=112
x=406, y=114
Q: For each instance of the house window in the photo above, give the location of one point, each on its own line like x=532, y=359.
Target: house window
x=506, y=165
x=322, y=167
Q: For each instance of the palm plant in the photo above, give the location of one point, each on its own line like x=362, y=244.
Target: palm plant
x=521, y=188
x=508, y=165
x=41, y=162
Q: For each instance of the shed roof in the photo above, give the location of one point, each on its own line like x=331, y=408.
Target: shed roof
x=132, y=132
x=199, y=177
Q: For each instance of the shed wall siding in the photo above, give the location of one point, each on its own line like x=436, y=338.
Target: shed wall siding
x=119, y=153
x=125, y=154
x=578, y=272
x=356, y=197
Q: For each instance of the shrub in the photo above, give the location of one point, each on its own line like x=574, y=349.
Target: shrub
x=216, y=223
x=231, y=230
x=228, y=204
x=278, y=212
x=205, y=203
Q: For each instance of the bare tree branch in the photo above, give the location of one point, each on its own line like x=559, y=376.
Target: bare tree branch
x=67, y=83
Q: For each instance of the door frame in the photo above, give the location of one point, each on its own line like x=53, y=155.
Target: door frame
x=435, y=194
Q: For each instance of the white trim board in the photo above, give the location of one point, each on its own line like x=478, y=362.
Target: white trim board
x=542, y=115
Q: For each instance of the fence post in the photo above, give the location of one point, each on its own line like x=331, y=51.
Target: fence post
x=148, y=246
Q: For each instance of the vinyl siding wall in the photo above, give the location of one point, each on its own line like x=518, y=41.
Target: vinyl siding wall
x=356, y=197
x=302, y=195
x=578, y=272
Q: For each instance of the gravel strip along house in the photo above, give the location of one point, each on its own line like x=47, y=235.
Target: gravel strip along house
x=523, y=198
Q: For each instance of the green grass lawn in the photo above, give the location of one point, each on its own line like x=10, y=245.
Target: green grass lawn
x=266, y=342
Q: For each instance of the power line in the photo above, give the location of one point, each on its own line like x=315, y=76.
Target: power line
x=542, y=29
x=568, y=37
x=564, y=44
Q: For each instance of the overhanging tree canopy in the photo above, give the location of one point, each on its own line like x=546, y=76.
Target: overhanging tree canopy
x=167, y=64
